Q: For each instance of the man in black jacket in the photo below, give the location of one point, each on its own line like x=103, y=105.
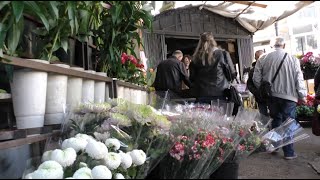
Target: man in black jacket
x=171, y=73
x=262, y=105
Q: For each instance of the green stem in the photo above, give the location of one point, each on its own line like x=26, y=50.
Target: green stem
x=138, y=136
x=5, y=17
x=54, y=43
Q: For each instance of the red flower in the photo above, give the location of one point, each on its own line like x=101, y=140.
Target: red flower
x=241, y=133
x=123, y=60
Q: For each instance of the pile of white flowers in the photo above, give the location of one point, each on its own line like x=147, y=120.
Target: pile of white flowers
x=108, y=154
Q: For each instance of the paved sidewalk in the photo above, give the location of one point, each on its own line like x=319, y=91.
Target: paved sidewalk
x=269, y=166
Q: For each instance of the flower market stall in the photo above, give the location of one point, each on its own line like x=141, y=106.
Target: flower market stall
x=119, y=139
x=75, y=101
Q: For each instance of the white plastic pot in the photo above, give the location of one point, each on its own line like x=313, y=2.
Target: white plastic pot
x=127, y=95
x=74, y=89
x=56, y=96
x=88, y=89
x=120, y=92
x=107, y=96
x=100, y=89
x=28, y=90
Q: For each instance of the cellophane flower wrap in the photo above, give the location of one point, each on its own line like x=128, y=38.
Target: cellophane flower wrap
x=290, y=131
x=250, y=125
x=135, y=126
x=202, y=141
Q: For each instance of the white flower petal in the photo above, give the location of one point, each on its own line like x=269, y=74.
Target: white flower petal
x=83, y=173
x=101, y=172
x=126, y=160
x=48, y=170
x=96, y=150
x=112, y=160
x=64, y=158
x=112, y=142
x=46, y=156
x=138, y=157
x=75, y=143
x=119, y=176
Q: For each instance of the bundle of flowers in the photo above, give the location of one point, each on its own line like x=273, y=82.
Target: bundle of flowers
x=309, y=64
x=251, y=126
x=201, y=143
x=84, y=157
x=132, y=70
x=305, y=110
x=288, y=132
x=136, y=126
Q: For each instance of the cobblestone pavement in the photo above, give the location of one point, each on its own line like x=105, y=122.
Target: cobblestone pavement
x=273, y=166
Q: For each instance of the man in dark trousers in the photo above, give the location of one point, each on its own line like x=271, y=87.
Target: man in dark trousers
x=170, y=74
x=262, y=105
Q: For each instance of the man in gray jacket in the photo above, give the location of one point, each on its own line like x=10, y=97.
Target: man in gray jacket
x=287, y=89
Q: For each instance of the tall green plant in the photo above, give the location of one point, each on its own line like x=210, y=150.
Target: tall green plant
x=118, y=33
x=63, y=22
x=12, y=24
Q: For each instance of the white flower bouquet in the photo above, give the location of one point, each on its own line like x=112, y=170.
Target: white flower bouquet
x=83, y=157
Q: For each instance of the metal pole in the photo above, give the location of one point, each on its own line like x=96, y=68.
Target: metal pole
x=276, y=28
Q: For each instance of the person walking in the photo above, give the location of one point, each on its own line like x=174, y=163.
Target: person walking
x=262, y=104
x=206, y=71
x=288, y=86
x=170, y=74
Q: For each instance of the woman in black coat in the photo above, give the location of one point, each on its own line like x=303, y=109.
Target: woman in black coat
x=206, y=72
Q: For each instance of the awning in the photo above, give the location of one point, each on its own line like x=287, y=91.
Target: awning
x=252, y=15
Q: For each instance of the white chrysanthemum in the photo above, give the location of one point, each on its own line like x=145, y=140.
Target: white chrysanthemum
x=112, y=160
x=96, y=150
x=46, y=156
x=47, y=170
x=138, y=157
x=101, y=137
x=126, y=160
x=101, y=172
x=84, y=136
x=83, y=173
x=75, y=143
x=112, y=142
x=119, y=176
x=64, y=157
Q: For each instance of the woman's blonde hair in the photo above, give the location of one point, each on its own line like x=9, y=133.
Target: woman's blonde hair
x=205, y=48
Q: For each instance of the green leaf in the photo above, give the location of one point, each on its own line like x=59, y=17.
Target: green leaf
x=3, y=33
x=17, y=7
x=64, y=44
x=14, y=36
x=40, y=12
x=54, y=8
x=3, y=3
x=71, y=15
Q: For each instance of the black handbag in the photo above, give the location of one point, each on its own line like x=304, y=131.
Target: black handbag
x=265, y=86
x=226, y=68
x=233, y=95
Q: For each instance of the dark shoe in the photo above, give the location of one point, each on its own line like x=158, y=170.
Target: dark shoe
x=291, y=157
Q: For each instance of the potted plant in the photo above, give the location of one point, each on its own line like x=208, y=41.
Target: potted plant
x=118, y=35
x=309, y=65
x=304, y=112
x=28, y=109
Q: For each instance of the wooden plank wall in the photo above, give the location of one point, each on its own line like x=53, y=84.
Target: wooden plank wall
x=196, y=21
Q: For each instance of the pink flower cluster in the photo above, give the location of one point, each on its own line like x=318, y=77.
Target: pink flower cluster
x=129, y=58
x=194, y=148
